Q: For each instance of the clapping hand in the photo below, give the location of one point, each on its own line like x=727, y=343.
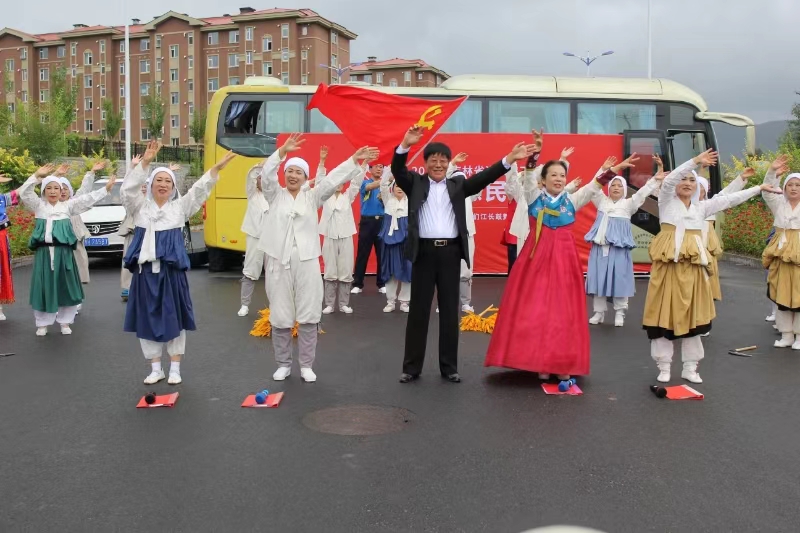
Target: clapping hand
x=413, y=136
x=292, y=144
x=708, y=158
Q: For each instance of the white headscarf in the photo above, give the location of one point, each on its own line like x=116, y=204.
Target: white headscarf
x=153, y=214
x=794, y=176
x=47, y=181
x=65, y=181
x=701, y=182
x=624, y=186
x=299, y=163
x=152, y=177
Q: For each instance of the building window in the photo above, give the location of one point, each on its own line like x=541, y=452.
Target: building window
x=87, y=104
x=190, y=37
x=248, y=58
x=191, y=109
x=368, y=78
x=285, y=55
x=304, y=79
x=103, y=115
x=285, y=78
x=233, y=36
x=267, y=68
x=102, y=46
x=234, y=80
x=213, y=61
x=144, y=66
x=173, y=51
x=158, y=41
x=173, y=121
x=42, y=53
x=304, y=54
x=43, y=95
x=392, y=82
x=191, y=85
x=25, y=97
x=174, y=98
x=102, y=68
x=519, y=116
x=88, y=126
x=233, y=60
x=173, y=74
x=175, y=141
x=74, y=71
x=406, y=76
x=191, y=61
x=144, y=45
x=121, y=47
x=122, y=90
x=266, y=43
x=213, y=38
x=284, y=31
x=379, y=78
x=438, y=80
x=334, y=38
x=304, y=30
x=144, y=89
x=213, y=84
x=61, y=52
x=419, y=75
x=23, y=54
x=9, y=66
x=11, y=107
x=102, y=91
x=145, y=134
x=44, y=74
x=87, y=58
x=24, y=73
x=158, y=65
x=158, y=88
x=248, y=33
x=122, y=69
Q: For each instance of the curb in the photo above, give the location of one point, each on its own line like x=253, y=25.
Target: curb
x=21, y=261
x=742, y=260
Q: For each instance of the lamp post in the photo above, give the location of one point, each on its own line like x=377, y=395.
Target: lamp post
x=588, y=60
x=649, y=42
x=339, y=70
x=128, y=131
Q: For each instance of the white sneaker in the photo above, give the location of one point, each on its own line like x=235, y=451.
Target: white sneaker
x=41, y=332
x=282, y=373
x=308, y=375
x=356, y=290
x=174, y=378
x=154, y=377
x=467, y=309
x=2, y=316
x=705, y=334
x=65, y=329
x=796, y=345
x=691, y=375
x=346, y=310
x=404, y=307
x=328, y=310
x=771, y=318
x=437, y=309
x=243, y=311
x=80, y=306
x=664, y=373
x=389, y=307
x=544, y=376
x=597, y=318
x=786, y=340
x=619, y=319
x=382, y=290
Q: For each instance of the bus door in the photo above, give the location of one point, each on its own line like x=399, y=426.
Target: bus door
x=686, y=144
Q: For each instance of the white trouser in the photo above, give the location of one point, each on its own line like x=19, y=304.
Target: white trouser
x=391, y=291
x=788, y=322
x=295, y=293
x=253, y=259
x=337, y=254
x=126, y=276
x=153, y=349
x=600, y=305
x=65, y=316
x=691, y=350
x=466, y=274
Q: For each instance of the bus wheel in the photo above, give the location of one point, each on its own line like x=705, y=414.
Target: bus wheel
x=217, y=260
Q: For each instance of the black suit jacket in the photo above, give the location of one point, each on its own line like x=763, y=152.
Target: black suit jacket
x=418, y=186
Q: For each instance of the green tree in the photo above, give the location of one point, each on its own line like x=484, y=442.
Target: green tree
x=113, y=119
x=63, y=98
x=153, y=109
x=197, y=129
x=34, y=131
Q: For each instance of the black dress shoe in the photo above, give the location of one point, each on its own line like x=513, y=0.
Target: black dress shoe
x=452, y=378
x=407, y=378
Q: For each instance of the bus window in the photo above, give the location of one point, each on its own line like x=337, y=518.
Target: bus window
x=687, y=144
x=522, y=116
x=319, y=123
x=681, y=115
x=467, y=118
x=611, y=119
x=251, y=126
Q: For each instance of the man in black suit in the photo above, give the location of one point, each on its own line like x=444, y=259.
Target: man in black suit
x=437, y=242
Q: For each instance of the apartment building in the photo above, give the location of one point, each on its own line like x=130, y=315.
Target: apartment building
x=398, y=72
x=182, y=59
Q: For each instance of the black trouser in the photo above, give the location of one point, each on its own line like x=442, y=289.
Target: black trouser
x=369, y=230
x=439, y=268
x=512, y=255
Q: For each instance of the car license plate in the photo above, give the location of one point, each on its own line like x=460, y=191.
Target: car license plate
x=95, y=241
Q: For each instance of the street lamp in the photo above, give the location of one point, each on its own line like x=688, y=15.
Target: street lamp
x=589, y=60
x=339, y=70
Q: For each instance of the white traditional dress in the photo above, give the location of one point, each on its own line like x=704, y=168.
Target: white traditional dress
x=395, y=267
x=80, y=229
x=254, y=216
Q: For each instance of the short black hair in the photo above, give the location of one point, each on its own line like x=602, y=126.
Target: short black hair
x=437, y=149
x=376, y=164
x=552, y=164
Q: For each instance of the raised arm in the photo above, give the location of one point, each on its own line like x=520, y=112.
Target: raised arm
x=738, y=183
x=81, y=204
x=667, y=193
x=513, y=186
x=341, y=175
x=27, y=194
x=355, y=184
x=638, y=198
x=722, y=202
x=86, y=184
x=194, y=198
x=269, y=176
x=251, y=183
x=386, y=180
x=587, y=192
x=778, y=168
x=486, y=177
x=131, y=190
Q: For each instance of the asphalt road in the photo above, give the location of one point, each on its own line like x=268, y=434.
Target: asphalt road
x=490, y=454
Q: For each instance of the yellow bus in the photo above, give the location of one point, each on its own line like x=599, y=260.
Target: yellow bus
x=649, y=115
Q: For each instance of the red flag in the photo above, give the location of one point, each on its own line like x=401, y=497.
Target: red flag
x=371, y=118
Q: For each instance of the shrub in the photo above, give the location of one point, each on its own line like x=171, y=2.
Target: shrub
x=19, y=233
x=17, y=165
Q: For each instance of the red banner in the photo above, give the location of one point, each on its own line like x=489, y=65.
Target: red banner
x=491, y=208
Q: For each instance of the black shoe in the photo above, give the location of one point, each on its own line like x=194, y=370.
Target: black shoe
x=452, y=378
x=407, y=378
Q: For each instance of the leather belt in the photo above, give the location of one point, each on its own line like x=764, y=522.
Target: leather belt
x=440, y=242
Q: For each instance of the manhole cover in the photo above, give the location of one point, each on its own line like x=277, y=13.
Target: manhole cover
x=358, y=420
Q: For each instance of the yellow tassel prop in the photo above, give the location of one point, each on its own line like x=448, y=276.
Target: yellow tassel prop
x=262, y=327
x=473, y=322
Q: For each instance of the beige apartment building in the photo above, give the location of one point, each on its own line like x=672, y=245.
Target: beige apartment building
x=181, y=58
x=398, y=73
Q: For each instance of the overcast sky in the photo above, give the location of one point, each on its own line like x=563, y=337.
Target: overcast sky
x=738, y=54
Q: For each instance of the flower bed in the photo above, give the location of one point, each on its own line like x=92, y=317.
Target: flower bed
x=22, y=222
x=746, y=228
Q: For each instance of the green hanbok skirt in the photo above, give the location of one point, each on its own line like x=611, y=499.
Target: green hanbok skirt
x=58, y=285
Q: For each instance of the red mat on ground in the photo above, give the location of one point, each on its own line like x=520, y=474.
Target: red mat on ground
x=273, y=400
x=167, y=400
x=552, y=388
x=683, y=392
